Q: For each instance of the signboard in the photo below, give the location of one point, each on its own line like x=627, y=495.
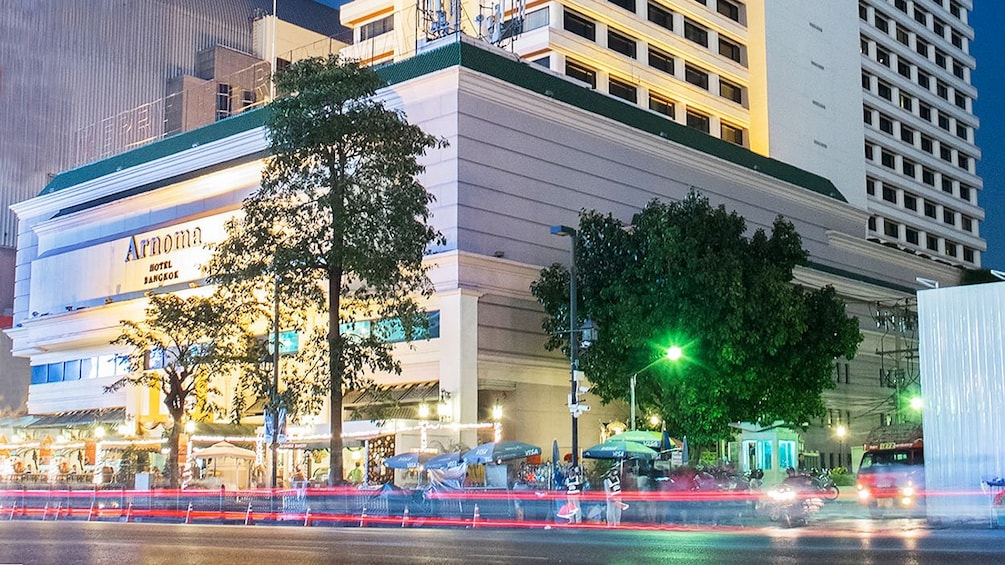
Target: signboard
x=270, y=425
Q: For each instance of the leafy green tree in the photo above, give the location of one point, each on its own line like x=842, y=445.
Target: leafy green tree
x=196, y=339
x=756, y=347
x=340, y=224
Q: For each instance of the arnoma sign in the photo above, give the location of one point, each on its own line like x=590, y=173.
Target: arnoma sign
x=141, y=248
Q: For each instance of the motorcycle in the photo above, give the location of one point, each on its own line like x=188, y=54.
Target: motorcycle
x=790, y=505
x=824, y=484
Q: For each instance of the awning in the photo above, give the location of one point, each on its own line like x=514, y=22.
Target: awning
x=409, y=393
x=79, y=418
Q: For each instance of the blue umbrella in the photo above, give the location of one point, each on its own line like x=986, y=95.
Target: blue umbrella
x=666, y=444
x=620, y=449
x=410, y=460
x=684, y=455
x=444, y=461
x=554, y=463
x=500, y=451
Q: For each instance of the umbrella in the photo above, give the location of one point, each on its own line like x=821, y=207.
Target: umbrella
x=444, y=461
x=649, y=439
x=620, y=449
x=683, y=449
x=225, y=449
x=554, y=463
x=666, y=444
x=500, y=451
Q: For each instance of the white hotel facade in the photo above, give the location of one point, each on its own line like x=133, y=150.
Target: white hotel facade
x=528, y=149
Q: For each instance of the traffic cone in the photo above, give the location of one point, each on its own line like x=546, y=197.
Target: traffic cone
x=404, y=517
x=307, y=517
x=474, y=519
x=129, y=513
x=90, y=513
x=248, y=520
x=188, y=514
x=362, y=518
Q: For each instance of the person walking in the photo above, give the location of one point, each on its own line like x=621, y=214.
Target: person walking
x=612, y=488
x=574, y=486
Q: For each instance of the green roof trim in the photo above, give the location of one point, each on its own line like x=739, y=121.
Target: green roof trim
x=524, y=75
x=216, y=131
x=861, y=278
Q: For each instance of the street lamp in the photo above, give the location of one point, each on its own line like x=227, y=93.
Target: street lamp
x=573, y=340
x=841, y=432
x=673, y=353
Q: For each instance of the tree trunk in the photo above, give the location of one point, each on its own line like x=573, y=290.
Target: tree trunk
x=172, y=463
x=336, y=367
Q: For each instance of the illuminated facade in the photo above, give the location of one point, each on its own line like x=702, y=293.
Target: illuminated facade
x=528, y=149
x=789, y=79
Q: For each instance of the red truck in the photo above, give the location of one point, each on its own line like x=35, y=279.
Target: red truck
x=892, y=471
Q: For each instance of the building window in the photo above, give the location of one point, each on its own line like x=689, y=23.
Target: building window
x=543, y=61
x=932, y=243
x=924, y=80
x=622, y=90
x=884, y=90
x=958, y=71
x=943, y=121
x=662, y=105
x=910, y=202
x=626, y=4
x=967, y=223
x=968, y=254
x=948, y=216
x=907, y=102
x=891, y=229
x=963, y=161
x=965, y=192
x=956, y=10
x=950, y=249
x=660, y=16
x=730, y=91
x=580, y=25
x=696, y=76
x=947, y=184
x=536, y=19
x=870, y=186
x=889, y=194
x=908, y=168
x=872, y=223
x=927, y=145
x=728, y=9
x=902, y=35
x=920, y=45
x=930, y=209
x=375, y=28
x=698, y=121
x=867, y=115
x=961, y=100
x=911, y=235
x=962, y=132
x=731, y=134
x=904, y=68
x=925, y=111
x=581, y=72
x=728, y=49
x=920, y=15
x=940, y=58
x=863, y=45
x=887, y=159
x=928, y=176
x=942, y=89
x=621, y=43
x=660, y=60
x=946, y=153
x=868, y=151
x=885, y=124
x=224, y=105
x=866, y=81
x=695, y=33
x=938, y=27
x=882, y=56
x=863, y=12
x=881, y=23
x=906, y=134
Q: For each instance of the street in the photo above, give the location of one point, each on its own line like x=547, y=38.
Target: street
x=849, y=541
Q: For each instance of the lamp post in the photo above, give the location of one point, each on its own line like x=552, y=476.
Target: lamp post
x=275, y=386
x=673, y=353
x=573, y=340
x=841, y=431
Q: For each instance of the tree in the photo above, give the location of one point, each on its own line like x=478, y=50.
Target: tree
x=757, y=348
x=181, y=345
x=340, y=223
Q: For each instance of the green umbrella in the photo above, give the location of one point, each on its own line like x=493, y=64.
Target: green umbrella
x=620, y=449
x=646, y=438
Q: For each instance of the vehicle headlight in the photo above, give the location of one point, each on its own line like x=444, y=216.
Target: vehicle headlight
x=863, y=493
x=784, y=495
x=907, y=491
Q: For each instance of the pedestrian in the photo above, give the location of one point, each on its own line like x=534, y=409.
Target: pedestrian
x=574, y=486
x=612, y=488
x=356, y=475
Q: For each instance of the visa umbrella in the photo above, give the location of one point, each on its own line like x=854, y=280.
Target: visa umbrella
x=620, y=449
x=500, y=451
x=647, y=438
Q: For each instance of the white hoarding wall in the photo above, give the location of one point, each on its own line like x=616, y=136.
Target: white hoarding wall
x=961, y=333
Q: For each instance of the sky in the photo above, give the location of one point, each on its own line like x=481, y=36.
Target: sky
x=988, y=21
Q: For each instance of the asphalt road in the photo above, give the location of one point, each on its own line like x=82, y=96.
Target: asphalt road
x=108, y=543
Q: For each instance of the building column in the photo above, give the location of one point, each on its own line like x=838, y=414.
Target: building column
x=459, y=356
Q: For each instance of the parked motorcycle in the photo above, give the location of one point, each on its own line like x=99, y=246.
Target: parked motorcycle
x=824, y=484
x=790, y=505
